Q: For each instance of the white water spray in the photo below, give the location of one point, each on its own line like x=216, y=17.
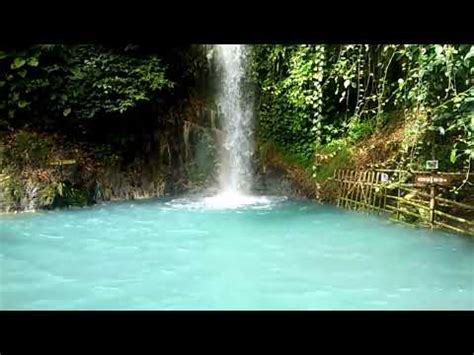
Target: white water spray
x=236, y=109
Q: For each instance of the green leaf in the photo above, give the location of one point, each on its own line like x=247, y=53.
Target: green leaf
x=470, y=54
x=22, y=73
x=67, y=111
x=2, y=55
x=453, y=156
x=2, y=83
x=33, y=62
x=23, y=104
x=18, y=63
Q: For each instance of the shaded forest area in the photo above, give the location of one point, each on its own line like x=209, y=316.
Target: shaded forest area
x=116, y=114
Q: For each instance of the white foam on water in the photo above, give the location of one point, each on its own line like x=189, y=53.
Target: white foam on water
x=226, y=200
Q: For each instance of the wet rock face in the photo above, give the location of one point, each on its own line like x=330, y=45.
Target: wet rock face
x=116, y=185
x=274, y=181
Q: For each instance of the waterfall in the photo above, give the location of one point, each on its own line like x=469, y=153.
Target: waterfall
x=234, y=99
x=235, y=107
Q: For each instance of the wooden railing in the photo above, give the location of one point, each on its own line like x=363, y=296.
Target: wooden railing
x=406, y=201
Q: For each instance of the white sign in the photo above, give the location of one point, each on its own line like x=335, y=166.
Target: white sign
x=384, y=177
x=431, y=164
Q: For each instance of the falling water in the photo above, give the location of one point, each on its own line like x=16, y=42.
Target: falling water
x=234, y=99
x=235, y=105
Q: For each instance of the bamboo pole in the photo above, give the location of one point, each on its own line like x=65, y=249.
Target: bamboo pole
x=341, y=174
x=459, y=219
x=384, y=196
x=362, y=203
x=346, y=186
x=350, y=173
x=337, y=172
x=459, y=204
x=350, y=188
x=344, y=174
x=381, y=189
x=398, y=194
x=368, y=197
x=421, y=193
x=357, y=190
x=402, y=212
x=423, y=172
x=462, y=231
x=364, y=186
x=350, y=176
x=355, y=197
x=342, y=184
x=371, y=190
x=374, y=189
x=432, y=204
x=421, y=202
x=401, y=199
x=374, y=202
x=340, y=187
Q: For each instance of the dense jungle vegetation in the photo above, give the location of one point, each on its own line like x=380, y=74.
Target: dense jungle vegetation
x=325, y=107
x=121, y=113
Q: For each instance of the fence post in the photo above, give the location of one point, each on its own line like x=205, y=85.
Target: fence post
x=398, y=195
x=432, y=204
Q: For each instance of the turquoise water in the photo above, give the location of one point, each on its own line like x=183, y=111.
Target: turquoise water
x=271, y=255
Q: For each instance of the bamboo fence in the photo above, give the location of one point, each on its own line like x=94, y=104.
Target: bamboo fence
x=391, y=192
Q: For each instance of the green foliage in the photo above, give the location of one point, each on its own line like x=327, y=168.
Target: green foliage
x=289, y=78
x=82, y=81
x=359, y=129
x=358, y=87
x=112, y=82
x=338, y=156
x=13, y=190
x=27, y=149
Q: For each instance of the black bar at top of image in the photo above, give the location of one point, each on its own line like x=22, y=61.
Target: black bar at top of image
x=276, y=36
x=240, y=24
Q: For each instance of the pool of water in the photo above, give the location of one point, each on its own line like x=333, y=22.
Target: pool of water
x=272, y=254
